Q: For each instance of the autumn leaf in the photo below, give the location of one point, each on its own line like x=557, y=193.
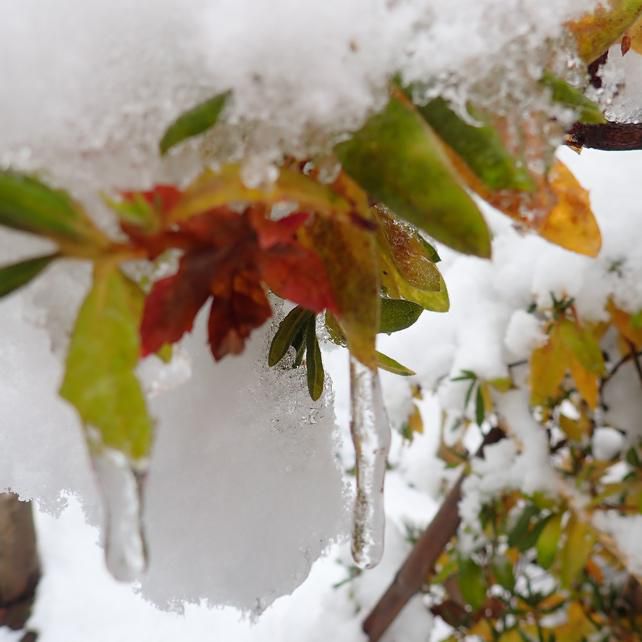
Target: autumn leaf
x=232, y=258
x=571, y=223
x=99, y=376
x=623, y=321
x=595, y=32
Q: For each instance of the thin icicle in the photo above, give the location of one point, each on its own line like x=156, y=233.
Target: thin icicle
x=371, y=438
x=121, y=487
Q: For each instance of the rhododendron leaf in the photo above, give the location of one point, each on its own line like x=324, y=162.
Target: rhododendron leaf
x=479, y=145
x=576, y=551
x=215, y=189
x=397, y=314
x=19, y=274
x=390, y=365
x=596, y=32
x=582, y=345
x=288, y=330
x=173, y=303
x=349, y=252
x=547, y=368
x=564, y=94
x=235, y=314
x=193, y=122
x=29, y=205
x=571, y=223
x=313, y=362
x=398, y=160
x=99, y=376
x=411, y=255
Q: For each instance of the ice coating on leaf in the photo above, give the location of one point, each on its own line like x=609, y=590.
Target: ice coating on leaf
x=121, y=487
x=370, y=431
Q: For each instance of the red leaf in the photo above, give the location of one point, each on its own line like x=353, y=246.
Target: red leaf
x=173, y=303
x=162, y=198
x=233, y=317
x=298, y=274
x=271, y=233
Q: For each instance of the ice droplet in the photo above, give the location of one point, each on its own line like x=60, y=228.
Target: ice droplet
x=121, y=486
x=371, y=438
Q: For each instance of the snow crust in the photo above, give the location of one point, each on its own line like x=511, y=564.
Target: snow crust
x=88, y=87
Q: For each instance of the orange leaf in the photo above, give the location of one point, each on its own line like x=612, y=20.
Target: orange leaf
x=623, y=322
x=587, y=383
x=571, y=223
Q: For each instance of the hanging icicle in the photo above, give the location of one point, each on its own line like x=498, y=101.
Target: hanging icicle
x=371, y=438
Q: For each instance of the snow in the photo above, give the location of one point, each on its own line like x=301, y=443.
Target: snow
x=300, y=74
x=627, y=532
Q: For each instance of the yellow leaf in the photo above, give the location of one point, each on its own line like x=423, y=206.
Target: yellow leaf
x=634, y=35
x=595, y=32
x=214, y=189
x=577, y=626
x=547, y=370
x=623, y=322
x=575, y=429
x=571, y=223
x=586, y=382
x=415, y=421
x=576, y=551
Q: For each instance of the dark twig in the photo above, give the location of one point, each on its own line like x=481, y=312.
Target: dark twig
x=419, y=564
x=608, y=136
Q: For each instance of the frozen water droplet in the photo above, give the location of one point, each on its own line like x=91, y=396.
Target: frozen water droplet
x=121, y=486
x=371, y=438
x=258, y=173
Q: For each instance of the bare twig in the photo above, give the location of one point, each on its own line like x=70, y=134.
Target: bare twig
x=608, y=136
x=419, y=565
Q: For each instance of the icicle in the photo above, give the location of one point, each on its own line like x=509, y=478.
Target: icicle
x=371, y=438
x=121, y=487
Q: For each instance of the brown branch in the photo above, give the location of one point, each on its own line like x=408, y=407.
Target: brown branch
x=609, y=136
x=419, y=564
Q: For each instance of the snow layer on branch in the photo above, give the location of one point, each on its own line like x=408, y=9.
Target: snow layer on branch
x=88, y=87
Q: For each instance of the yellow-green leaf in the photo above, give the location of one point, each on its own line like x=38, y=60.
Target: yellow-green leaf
x=29, y=205
x=399, y=161
x=472, y=583
x=214, y=189
x=564, y=94
x=397, y=314
x=480, y=146
x=15, y=276
x=596, y=32
x=576, y=551
x=390, y=365
x=194, y=122
x=349, y=253
x=548, y=542
x=581, y=344
x=99, y=377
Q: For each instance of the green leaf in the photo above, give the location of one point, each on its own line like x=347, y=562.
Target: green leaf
x=99, y=377
x=518, y=534
x=582, y=345
x=564, y=94
x=15, y=276
x=313, y=362
x=288, y=329
x=399, y=161
x=504, y=574
x=472, y=583
x=397, y=314
x=548, y=542
x=480, y=407
x=480, y=146
x=390, y=365
x=576, y=551
x=29, y=205
x=194, y=122
x=136, y=211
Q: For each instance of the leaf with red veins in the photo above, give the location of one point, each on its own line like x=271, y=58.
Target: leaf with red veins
x=174, y=302
x=298, y=274
x=234, y=317
x=271, y=233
